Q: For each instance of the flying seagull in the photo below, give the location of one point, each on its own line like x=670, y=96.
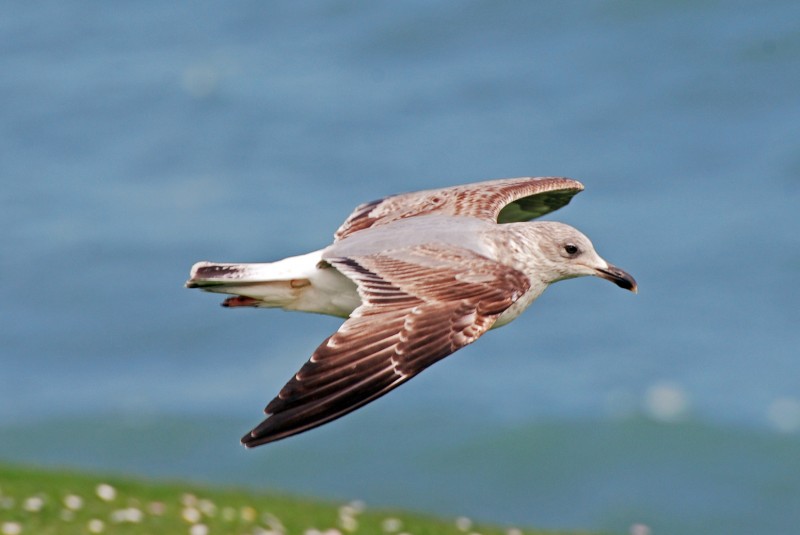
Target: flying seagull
x=418, y=276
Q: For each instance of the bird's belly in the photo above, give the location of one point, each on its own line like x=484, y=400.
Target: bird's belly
x=329, y=292
x=519, y=306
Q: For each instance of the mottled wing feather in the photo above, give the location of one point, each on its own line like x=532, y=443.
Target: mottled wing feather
x=420, y=305
x=505, y=200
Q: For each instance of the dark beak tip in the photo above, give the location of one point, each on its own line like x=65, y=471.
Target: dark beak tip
x=619, y=277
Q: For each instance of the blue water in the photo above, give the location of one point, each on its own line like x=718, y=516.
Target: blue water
x=139, y=138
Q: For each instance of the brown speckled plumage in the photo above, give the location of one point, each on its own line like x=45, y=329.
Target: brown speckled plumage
x=419, y=276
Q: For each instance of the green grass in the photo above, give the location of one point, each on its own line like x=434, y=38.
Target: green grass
x=40, y=501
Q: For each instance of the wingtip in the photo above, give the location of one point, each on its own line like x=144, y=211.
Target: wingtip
x=247, y=441
x=558, y=181
x=258, y=436
x=252, y=440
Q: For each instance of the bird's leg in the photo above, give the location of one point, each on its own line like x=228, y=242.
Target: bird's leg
x=240, y=301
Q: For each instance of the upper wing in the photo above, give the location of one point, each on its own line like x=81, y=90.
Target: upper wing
x=507, y=200
x=419, y=305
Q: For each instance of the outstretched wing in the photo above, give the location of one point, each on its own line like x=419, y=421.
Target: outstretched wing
x=420, y=304
x=506, y=200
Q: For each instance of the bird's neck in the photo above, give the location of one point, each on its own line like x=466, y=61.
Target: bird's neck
x=516, y=247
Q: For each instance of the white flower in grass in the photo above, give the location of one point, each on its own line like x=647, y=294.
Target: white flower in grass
x=96, y=525
x=347, y=517
x=207, y=507
x=228, y=514
x=348, y=514
x=353, y=508
x=130, y=515
x=33, y=504
x=67, y=515
x=156, y=508
x=198, y=529
x=514, y=531
x=391, y=525
x=189, y=500
x=191, y=515
x=11, y=528
x=106, y=492
x=357, y=505
x=348, y=523
x=273, y=522
x=248, y=514
x=463, y=523
x=135, y=515
x=73, y=502
x=346, y=510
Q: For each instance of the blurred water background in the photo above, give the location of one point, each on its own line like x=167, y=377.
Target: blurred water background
x=138, y=138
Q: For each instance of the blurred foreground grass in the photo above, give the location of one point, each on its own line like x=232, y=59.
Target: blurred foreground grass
x=42, y=501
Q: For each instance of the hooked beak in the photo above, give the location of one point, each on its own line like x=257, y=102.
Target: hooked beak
x=618, y=277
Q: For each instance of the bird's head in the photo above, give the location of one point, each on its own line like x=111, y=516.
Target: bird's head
x=563, y=252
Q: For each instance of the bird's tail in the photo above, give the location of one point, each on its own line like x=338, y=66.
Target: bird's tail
x=273, y=284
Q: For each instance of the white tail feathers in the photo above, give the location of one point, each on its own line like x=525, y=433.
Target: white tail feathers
x=207, y=274
x=295, y=283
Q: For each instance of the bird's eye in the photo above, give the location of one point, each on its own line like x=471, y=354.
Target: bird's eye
x=570, y=248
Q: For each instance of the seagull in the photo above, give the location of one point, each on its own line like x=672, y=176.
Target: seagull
x=417, y=276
